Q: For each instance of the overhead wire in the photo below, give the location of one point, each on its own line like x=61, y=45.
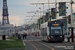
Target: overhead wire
x=66, y=4
x=33, y=10
x=37, y=5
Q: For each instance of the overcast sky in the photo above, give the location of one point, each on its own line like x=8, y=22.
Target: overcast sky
x=18, y=9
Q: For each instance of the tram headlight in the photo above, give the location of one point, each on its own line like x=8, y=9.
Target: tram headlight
x=51, y=36
x=60, y=36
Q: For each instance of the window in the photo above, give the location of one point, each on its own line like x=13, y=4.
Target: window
x=56, y=31
x=4, y=0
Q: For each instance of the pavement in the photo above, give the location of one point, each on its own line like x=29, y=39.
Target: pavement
x=65, y=40
x=29, y=46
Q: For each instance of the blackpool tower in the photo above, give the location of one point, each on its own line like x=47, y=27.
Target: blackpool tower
x=5, y=19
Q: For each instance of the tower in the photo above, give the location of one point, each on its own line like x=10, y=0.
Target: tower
x=5, y=14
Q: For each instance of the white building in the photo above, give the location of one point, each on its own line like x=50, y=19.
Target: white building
x=5, y=28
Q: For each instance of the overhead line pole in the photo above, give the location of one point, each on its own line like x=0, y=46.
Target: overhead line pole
x=72, y=22
x=48, y=4
x=49, y=10
x=56, y=9
x=40, y=11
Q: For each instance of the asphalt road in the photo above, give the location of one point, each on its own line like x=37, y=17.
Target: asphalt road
x=35, y=43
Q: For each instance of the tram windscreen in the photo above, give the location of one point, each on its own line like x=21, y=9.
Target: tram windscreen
x=56, y=31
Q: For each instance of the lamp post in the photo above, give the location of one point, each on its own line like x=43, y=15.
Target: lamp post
x=40, y=11
x=72, y=22
x=48, y=4
x=49, y=11
x=56, y=9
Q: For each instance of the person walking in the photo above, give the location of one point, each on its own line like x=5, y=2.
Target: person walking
x=19, y=37
x=24, y=35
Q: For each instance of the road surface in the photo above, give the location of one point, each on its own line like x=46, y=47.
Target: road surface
x=35, y=43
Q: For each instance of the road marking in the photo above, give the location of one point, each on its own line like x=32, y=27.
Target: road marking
x=32, y=44
x=61, y=44
x=41, y=43
x=47, y=46
x=33, y=40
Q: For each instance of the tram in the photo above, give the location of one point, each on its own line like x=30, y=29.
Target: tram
x=52, y=31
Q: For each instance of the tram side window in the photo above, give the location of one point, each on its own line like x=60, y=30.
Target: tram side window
x=56, y=31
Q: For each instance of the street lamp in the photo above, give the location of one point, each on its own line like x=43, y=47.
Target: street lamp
x=56, y=9
x=72, y=22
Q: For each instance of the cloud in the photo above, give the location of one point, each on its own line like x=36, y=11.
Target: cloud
x=0, y=17
x=0, y=12
x=73, y=6
x=18, y=9
x=19, y=2
x=15, y=20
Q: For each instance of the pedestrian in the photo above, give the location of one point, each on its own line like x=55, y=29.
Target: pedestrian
x=35, y=35
x=69, y=36
x=19, y=37
x=24, y=35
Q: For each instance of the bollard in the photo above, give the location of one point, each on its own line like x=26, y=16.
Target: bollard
x=3, y=37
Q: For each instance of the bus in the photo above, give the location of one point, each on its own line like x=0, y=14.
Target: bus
x=52, y=31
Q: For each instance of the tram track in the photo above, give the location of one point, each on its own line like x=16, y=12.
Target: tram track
x=32, y=45
x=67, y=43
x=36, y=43
x=59, y=46
x=47, y=46
x=62, y=44
x=38, y=48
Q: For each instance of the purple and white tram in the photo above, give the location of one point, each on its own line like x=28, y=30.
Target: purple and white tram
x=52, y=31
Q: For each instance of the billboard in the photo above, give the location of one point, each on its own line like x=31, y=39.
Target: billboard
x=47, y=16
x=62, y=8
x=41, y=20
x=53, y=13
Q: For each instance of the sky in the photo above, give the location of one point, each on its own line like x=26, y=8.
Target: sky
x=18, y=10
